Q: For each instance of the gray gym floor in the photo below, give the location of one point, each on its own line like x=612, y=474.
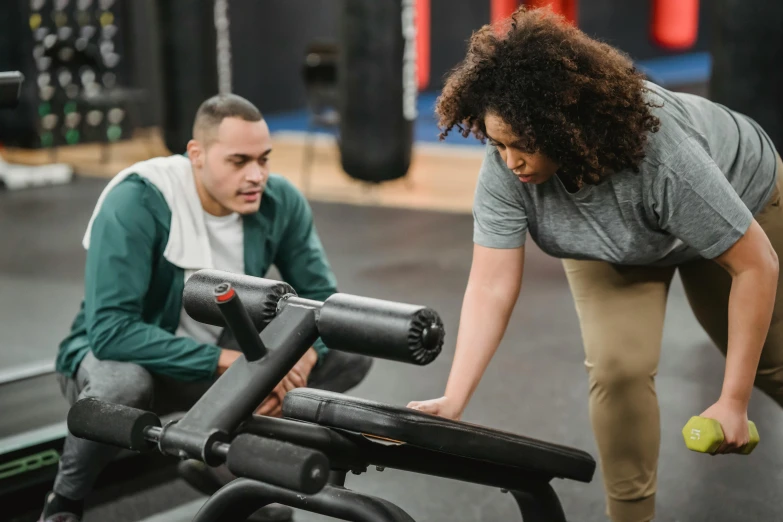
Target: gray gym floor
x=535, y=386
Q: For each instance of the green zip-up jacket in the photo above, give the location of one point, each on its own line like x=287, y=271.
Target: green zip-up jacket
x=133, y=295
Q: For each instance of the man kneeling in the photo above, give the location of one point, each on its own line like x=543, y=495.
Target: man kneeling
x=154, y=225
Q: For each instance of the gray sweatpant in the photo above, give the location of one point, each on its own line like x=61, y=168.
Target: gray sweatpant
x=131, y=385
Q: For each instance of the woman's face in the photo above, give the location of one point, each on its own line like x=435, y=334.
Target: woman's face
x=528, y=167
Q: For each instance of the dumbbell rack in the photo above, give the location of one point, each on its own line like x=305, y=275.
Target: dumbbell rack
x=73, y=55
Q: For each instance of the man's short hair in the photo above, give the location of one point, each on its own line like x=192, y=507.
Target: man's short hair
x=213, y=111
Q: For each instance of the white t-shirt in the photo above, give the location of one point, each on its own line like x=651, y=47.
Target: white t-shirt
x=226, y=240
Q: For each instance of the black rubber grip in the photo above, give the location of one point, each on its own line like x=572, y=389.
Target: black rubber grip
x=278, y=463
x=385, y=329
x=112, y=424
x=259, y=296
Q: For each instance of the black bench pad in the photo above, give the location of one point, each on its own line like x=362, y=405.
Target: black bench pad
x=433, y=433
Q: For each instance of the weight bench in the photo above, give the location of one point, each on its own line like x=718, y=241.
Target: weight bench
x=302, y=459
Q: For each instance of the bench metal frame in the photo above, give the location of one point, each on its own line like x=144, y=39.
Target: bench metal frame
x=238, y=500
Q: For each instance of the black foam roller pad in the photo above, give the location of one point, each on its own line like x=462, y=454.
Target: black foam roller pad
x=111, y=424
x=259, y=296
x=377, y=328
x=278, y=463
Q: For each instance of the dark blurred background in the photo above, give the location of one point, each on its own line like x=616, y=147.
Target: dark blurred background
x=269, y=38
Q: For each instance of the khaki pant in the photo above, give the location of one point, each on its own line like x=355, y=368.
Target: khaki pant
x=621, y=311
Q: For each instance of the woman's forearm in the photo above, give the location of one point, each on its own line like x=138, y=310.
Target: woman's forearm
x=751, y=302
x=483, y=321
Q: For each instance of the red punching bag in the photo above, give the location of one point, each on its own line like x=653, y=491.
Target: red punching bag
x=555, y=5
x=422, y=43
x=565, y=8
x=675, y=23
x=570, y=11
x=501, y=9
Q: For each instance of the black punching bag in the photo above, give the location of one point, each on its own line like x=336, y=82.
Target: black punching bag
x=747, y=61
x=188, y=44
x=377, y=85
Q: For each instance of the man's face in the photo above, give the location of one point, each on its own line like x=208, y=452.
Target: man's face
x=232, y=169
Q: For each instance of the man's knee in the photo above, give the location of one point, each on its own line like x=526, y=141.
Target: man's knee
x=352, y=368
x=119, y=383
x=340, y=371
x=360, y=367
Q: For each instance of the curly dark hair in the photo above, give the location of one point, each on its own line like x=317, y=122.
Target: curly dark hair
x=576, y=100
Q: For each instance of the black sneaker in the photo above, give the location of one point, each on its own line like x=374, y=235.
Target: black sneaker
x=59, y=513
x=209, y=480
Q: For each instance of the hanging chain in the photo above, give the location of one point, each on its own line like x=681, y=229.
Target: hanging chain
x=223, y=46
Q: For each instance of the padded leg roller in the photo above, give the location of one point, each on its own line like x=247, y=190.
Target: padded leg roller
x=111, y=424
x=396, y=331
x=259, y=296
x=278, y=463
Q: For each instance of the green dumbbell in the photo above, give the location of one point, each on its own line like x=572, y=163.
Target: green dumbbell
x=706, y=435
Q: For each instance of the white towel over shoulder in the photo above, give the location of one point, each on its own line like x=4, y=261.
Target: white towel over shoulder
x=188, y=244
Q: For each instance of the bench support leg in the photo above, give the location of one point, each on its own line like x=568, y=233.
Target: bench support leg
x=239, y=499
x=539, y=503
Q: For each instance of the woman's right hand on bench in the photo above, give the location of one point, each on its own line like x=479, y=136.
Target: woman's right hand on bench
x=492, y=291
x=442, y=407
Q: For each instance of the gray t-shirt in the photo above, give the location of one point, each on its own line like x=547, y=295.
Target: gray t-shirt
x=706, y=173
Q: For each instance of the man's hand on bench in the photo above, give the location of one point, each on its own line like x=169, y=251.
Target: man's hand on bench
x=296, y=378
